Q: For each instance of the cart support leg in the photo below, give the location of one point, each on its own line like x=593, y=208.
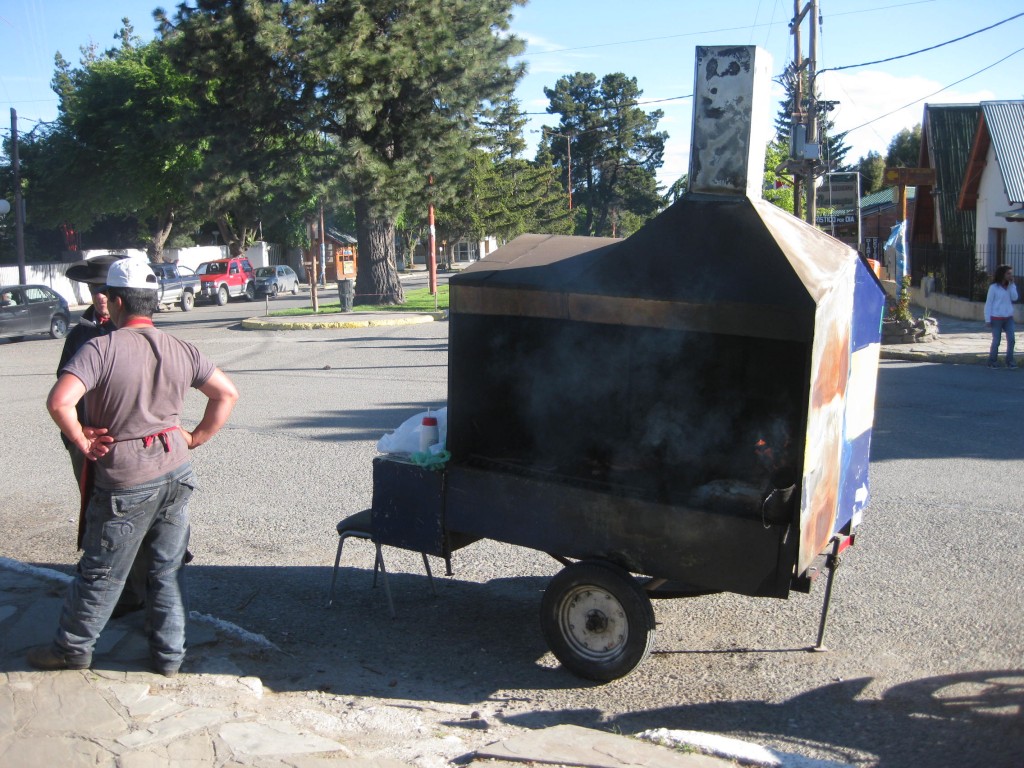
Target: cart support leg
x=832, y=563
x=379, y=563
x=430, y=575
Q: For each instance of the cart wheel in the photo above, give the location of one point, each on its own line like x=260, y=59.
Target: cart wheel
x=597, y=620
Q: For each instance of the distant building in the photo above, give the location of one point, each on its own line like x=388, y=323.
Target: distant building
x=993, y=185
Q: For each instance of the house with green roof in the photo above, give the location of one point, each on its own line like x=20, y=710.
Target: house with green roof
x=942, y=237
x=993, y=185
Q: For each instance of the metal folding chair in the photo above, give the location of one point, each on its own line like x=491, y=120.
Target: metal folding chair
x=360, y=526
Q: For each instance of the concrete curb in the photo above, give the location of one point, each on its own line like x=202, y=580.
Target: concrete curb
x=351, y=320
x=949, y=358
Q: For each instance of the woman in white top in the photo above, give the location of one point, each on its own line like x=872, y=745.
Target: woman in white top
x=999, y=314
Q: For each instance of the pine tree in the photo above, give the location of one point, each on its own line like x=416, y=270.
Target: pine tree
x=615, y=150
x=399, y=85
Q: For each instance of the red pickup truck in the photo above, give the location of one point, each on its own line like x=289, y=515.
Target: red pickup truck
x=225, y=278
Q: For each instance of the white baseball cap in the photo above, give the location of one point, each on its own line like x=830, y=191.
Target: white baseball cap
x=131, y=273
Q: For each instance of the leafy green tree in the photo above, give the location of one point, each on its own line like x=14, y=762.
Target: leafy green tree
x=904, y=149
x=614, y=146
x=872, y=172
x=115, y=149
x=778, y=189
x=677, y=190
x=505, y=198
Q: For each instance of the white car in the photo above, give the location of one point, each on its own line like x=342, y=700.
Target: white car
x=277, y=279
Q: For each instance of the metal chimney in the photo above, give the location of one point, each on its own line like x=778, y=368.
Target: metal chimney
x=730, y=120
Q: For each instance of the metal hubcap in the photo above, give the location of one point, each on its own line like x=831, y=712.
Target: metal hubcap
x=594, y=623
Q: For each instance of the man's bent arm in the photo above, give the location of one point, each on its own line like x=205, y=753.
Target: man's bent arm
x=61, y=403
x=222, y=398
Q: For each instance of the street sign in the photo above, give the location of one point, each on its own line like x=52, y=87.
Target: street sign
x=873, y=248
x=910, y=177
x=845, y=218
x=839, y=190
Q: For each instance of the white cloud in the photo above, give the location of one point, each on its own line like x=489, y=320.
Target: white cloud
x=877, y=105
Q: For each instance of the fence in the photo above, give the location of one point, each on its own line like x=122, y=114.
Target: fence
x=964, y=272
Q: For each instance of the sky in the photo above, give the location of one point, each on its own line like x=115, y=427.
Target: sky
x=651, y=40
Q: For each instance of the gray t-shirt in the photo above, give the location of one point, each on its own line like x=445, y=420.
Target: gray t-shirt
x=136, y=380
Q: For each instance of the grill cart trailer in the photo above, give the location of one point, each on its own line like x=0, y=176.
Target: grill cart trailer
x=681, y=412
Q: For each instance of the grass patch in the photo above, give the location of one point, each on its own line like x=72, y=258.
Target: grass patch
x=418, y=300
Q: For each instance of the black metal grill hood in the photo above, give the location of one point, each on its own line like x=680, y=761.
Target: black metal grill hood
x=656, y=368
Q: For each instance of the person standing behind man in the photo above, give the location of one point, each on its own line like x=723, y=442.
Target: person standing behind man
x=134, y=382
x=95, y=322
x=999, y=314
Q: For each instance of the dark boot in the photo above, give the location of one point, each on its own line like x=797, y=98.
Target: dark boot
x=49, y=658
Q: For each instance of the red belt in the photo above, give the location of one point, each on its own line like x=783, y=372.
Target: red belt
x=162, y=436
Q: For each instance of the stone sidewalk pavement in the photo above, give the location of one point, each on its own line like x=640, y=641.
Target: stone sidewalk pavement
x=213, y=713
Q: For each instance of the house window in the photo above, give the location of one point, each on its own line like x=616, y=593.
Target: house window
x=996, y=248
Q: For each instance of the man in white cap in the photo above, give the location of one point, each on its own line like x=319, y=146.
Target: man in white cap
x=95, y=321
x=134, y=382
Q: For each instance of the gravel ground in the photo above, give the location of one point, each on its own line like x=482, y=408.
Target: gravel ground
x=926, y=630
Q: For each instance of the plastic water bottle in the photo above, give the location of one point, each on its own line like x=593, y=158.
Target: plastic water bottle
x=428, y=433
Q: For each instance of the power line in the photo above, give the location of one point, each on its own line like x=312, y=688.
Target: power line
x=943, y=88
x=709, y=31
x=923, y=50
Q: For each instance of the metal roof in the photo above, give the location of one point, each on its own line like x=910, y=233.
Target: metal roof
x=1005, y=121
x=947, y=136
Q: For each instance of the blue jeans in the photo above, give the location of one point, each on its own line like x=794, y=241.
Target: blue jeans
x=149, y=521
x=998, y=327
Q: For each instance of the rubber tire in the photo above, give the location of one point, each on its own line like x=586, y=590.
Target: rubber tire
x=188, y=300
x=273, y=291
x=222, y=296
x=602, y=591
x=58, y=327
x=250, y=291
x=295, y=288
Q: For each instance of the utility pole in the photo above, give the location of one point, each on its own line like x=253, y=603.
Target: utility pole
x=323, y=247
x=432, y=242
x=797, y=113
x=19, y=204
x=812, y=112
x=804, y=127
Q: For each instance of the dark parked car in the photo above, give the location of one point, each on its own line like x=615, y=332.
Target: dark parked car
x=30, y=309
x=276, y=279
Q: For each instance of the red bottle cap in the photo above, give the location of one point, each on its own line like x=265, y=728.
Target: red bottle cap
x=429, y=421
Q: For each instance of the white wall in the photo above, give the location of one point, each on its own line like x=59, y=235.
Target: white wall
x=992, y=199
x=52, y=273
x=258, y=254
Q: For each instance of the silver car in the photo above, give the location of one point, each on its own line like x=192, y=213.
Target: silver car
x=31, y=309
x=277, y=279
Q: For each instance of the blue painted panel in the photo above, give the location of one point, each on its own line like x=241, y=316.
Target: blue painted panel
x=868, y=305
x=866, y=330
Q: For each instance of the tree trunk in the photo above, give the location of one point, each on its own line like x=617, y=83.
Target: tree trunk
x=377, y=274
x=236, y=241
x=164, y=224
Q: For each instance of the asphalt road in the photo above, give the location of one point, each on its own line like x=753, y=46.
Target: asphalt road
x=926, y=632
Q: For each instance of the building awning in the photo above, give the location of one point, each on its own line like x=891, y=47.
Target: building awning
x=1015, y=215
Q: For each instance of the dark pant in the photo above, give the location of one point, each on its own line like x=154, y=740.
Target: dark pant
x=134, y=593
x=147, y=522
x=1001, y=325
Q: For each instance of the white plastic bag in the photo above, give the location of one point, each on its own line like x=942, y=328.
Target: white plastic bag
x=406, y=439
